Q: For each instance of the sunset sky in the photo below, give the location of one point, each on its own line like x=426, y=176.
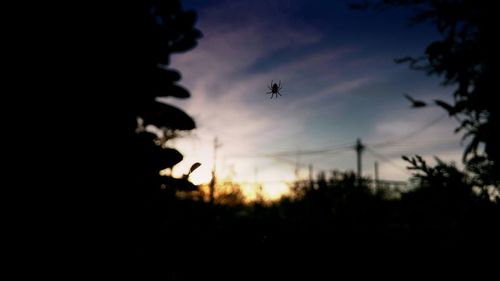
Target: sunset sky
x=339, y=82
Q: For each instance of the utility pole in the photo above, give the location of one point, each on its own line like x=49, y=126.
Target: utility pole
x=257, y=187
x=213, y=181
x=311, y=180
x=376, y=174
x=359, y=150
x=297, y=164
x=256, y=175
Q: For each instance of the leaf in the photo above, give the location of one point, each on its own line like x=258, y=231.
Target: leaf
x=164, y=115
x=406, y=59
x=415, y=103
x=194, y=167
x=464, y=124
x=446, y=106
x=170, y=157
x=419, y=158
x=471, y=148
x=154, y=156
x=184, y=44
x=468, y=134
x=413, y=62
x=460, y=106
x=172, y=90
x=439, y=161
x=162, y=74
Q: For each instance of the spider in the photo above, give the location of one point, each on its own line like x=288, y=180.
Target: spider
x=275, y=89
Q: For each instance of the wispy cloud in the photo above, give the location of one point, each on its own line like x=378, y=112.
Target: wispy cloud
x=224, y=103
x=228, y=74
x=343, y=87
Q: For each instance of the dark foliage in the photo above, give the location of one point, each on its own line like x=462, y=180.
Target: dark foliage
x=465, y=58
x=141, y=227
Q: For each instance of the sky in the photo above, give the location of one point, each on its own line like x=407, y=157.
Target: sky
x=340, y=83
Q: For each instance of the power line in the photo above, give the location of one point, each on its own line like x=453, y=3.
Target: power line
x=316, y=157
x=412, y=134
x=386, y=159
x=418, y=148
x=301, y=152
x=311, y=151
x=345, y=146
x=280, y=155
x=422, y=142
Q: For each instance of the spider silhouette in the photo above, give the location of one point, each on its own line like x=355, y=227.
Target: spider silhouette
x=275, y=89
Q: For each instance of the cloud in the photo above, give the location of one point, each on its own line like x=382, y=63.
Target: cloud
x=228, y=105
x=228, y=74
x=343, y=87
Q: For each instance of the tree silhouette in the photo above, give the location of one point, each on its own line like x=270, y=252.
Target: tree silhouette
x=464, y=57
x=143, y=221
x=167, y=29
x=104, y=65
x=138, y=39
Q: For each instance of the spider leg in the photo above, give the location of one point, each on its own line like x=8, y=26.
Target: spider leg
x=278, y=94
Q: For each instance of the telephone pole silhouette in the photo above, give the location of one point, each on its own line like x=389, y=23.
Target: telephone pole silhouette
x=359, y=151
x=311, y=176
x=297, y=165
x=217, y=144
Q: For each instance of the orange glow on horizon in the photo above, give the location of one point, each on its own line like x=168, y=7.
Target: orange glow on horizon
x=269, y=191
